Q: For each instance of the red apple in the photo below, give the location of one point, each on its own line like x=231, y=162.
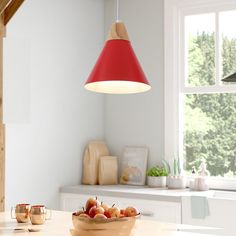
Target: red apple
x=112, y=212
x=131, y=211
x=122, y=211
x=95, y=210
x=101, y=216
x=83, y=215
x=90, y=203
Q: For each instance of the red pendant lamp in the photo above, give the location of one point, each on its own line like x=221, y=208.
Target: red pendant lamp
x=117, y=70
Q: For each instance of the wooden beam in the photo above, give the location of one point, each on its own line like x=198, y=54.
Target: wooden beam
x=2, y=34
x=2, y=127
x=2, y=31
x=3, y=5
x=2, y=167
x=11, y=10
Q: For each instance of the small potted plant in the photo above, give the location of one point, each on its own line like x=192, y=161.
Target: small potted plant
x=156, y=176
x=175, y=180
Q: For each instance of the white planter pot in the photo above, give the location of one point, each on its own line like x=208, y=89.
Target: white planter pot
x=156, y=181
x=176, y=182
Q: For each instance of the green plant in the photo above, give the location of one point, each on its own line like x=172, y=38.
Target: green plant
x=166, y=165
x=176, y=170
x=176, y=167
x=156, y=171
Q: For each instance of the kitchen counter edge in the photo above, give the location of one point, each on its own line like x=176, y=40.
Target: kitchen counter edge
x=137, y=192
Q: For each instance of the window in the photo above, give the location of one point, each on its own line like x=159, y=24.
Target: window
x=210, y=117
x=200, y=110
x=200, y=49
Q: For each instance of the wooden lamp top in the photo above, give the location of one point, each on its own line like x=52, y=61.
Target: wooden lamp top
x=118, y=31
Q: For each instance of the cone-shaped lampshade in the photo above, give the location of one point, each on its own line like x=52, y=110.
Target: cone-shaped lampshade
x=117, y=69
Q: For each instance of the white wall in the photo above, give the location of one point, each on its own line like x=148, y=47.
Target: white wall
x=139, y=119
x=50, y=48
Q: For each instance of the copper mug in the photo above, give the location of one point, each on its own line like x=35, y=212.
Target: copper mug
x=38, y=214
x=21, y=213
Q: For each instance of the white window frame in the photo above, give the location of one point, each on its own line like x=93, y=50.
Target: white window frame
x=175, y=11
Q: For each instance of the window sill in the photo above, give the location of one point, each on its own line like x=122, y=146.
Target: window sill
x=218, y=183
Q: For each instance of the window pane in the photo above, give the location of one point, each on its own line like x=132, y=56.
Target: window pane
x=210, y=132
x=200, y=49
x=228, y=38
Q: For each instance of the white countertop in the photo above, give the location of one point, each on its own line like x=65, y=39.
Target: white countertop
x=61, y=223
x=129, y=191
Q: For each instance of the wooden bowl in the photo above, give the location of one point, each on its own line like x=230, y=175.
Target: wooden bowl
x=103, y=227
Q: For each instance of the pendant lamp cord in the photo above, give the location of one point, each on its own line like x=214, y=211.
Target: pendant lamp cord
x=117, y=10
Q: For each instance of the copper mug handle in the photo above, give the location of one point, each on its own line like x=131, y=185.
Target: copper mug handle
x=13, y=209
x=48, y=216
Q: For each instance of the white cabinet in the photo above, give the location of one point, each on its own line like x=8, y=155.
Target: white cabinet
x=221, y=215
x=150, y=209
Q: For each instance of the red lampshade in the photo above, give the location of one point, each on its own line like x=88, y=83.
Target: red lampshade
x=117, y=70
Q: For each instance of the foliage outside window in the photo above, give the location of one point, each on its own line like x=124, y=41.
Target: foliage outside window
x=210, y=118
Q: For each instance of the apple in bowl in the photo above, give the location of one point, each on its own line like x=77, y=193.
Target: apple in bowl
x=112, y=212
x=131, y=211
x=96, y=210
x=91, y=202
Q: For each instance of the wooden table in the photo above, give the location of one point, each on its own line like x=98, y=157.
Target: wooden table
x=61, y=223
